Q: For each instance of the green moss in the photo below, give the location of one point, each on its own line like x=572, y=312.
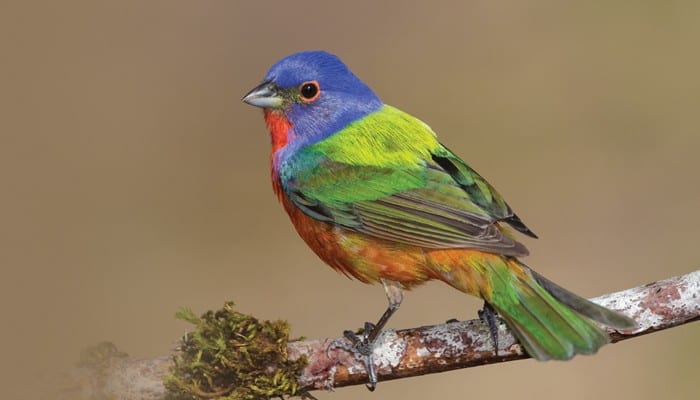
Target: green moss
x=230, y=356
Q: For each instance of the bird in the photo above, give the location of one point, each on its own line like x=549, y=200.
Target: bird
x=377, y=197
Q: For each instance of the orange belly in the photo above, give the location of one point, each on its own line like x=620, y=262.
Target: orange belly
x=370, y=259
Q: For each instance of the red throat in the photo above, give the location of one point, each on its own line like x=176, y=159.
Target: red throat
x=279, y=127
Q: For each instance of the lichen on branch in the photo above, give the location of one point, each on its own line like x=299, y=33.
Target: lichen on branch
x=230, y=355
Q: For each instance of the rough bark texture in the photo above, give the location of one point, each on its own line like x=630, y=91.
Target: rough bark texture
x=410, y=352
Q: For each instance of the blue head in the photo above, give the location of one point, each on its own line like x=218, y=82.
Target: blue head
x=316, y=93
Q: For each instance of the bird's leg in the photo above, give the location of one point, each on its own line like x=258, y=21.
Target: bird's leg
x=365, y=345
x=394, y=295
x=490, y=317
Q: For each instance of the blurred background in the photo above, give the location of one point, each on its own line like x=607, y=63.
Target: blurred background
x=134, y=181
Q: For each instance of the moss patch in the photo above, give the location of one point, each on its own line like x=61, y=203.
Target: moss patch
x=230, y=355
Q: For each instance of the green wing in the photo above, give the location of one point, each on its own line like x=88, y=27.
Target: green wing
x=409, y=189
x=426, y=205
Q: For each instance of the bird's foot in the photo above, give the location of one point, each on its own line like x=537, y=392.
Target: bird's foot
x=490, y=317
x=362, y=347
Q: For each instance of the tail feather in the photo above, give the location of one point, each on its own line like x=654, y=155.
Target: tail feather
x=549, y=321
x=585, y=307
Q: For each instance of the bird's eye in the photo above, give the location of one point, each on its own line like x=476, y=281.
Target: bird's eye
x=309, y=91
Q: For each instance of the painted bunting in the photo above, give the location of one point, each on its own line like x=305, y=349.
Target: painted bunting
x=376, y=196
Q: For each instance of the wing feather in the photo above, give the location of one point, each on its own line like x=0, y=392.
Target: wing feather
x=387, y=176
x=436, y=214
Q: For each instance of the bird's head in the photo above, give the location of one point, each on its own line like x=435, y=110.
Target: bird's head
x=308, y=96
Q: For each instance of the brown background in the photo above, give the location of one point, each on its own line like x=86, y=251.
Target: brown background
x=134, y=181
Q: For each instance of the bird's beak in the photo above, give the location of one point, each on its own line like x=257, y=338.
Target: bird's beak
x=264, y=95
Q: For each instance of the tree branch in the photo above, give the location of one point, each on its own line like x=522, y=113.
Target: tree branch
x=403, y=353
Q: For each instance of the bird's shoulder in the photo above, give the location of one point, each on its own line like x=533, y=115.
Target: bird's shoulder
x=387, y=137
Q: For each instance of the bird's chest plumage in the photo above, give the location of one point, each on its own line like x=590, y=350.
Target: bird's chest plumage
x=280, y=129
x=355, y=254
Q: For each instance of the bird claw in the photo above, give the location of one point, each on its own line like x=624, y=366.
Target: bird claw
x=362, y=347
x=338, y=344
x=490, y=317
x=363, y=344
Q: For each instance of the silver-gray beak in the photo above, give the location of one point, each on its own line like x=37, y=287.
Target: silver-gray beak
x=264, y=95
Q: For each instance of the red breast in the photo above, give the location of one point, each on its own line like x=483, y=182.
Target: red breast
x=280, y=128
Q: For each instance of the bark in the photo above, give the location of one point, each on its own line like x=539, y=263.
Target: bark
x=403, y=353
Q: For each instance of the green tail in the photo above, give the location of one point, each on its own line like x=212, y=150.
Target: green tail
x=549, y=321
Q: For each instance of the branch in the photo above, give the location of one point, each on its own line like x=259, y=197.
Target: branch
x=403, y=353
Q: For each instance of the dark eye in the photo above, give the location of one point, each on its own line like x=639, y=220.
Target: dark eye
x=309, y=91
